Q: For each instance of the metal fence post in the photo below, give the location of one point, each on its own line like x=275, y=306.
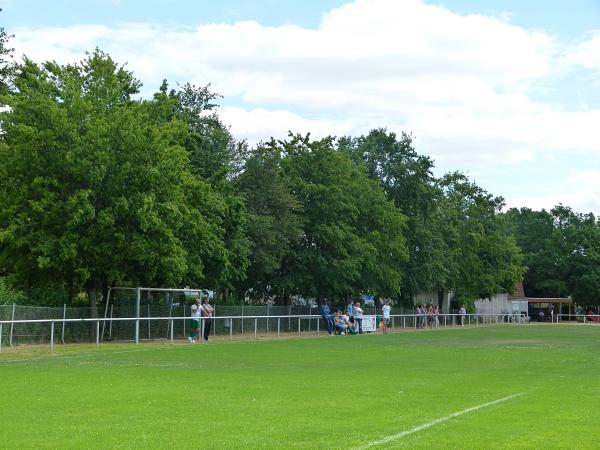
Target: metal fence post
x=255, y=326
x=62, y=335
x=137, y=315
x=110, y=324
x=299, y=332
x=172, y=330
x=97, y=333
x=52, y=336
x=0, y=336
x=12, y=325
x=278, y=325
x=230, y=329
x=149, y=321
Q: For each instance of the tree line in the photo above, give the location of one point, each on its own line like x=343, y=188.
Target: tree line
x=99, y=187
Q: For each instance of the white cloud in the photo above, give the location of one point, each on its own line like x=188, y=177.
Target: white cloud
x=586, y=53
x=579, y=190
x=260, y=124
x=461, y=83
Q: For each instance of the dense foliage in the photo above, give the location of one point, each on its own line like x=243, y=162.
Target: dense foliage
x=562, y=251
x=99, y=188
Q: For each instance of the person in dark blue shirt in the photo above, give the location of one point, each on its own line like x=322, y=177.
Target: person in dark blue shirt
x=326, y=314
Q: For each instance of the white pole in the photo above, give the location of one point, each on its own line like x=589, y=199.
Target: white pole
x=230, y=329
x=149, y=321
x=0, y=336
x=137, y=315
x=97, y=333
x=171, y=331
x=62, y=336
x=52, y=336
x=184, y=319
x=110, y=324
x=278, y=325
x=255, y=327
x=10, y=340
x=105, y=311
x=299, y=326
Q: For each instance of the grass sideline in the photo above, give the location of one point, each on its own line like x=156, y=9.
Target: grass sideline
x=325, y=392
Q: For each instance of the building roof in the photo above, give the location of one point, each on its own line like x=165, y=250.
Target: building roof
x=548, y=300
x=519, y=293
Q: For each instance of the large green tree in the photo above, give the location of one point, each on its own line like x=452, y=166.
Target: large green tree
x=535, y=234
x=408, y=181
x=562, y=252
x=275, y=219
x=96, y=187
x=6, y=65
x=214, y=156
x=352, y=237
x=484, y=258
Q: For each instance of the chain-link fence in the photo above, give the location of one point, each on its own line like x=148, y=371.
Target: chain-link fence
x=36, y=333
x=170, y=321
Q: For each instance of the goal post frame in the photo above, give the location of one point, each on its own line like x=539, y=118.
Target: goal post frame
x=138, y=296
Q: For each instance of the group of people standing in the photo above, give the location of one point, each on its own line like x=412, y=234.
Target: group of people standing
x=428, y=315
x=201, y=310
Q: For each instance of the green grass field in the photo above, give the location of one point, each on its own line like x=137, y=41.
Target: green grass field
x=322, y=392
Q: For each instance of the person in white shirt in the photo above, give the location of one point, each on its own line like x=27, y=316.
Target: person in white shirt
x=358, y=316
x=386, y=310
x=195, y=322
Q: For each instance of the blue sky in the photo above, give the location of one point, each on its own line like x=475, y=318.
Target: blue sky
x=556, y=16
x=507, y=92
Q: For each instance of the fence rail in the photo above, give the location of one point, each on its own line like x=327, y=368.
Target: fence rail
x=136, y=329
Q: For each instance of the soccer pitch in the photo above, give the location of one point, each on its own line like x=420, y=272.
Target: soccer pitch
x=534, y=386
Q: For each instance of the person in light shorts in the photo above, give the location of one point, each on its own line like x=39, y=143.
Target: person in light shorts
x=386, y=311
x=195, y=321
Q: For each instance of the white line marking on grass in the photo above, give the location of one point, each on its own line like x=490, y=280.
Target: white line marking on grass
x=393, y=437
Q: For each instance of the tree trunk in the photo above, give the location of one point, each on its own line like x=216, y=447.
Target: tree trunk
x=93, y=302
